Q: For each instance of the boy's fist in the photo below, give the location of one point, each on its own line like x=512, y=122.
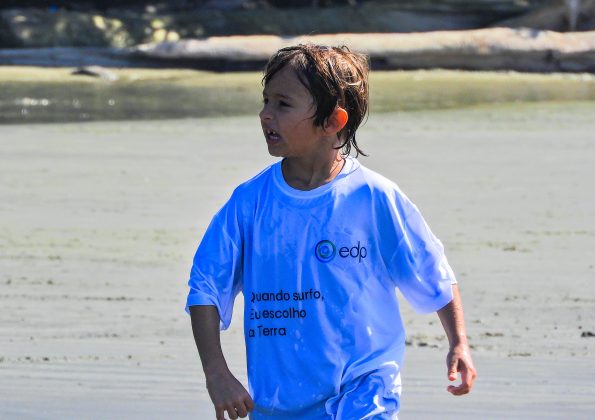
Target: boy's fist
x=228, y=394
x=459, y=360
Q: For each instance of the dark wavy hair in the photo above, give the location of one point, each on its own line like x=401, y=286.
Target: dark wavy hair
x=333, y=76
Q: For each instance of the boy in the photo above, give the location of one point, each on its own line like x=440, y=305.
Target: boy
x=318, y=244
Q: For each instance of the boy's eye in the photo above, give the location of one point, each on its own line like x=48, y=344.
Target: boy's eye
x=280, y=103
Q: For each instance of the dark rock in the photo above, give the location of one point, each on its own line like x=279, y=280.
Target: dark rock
x=95, y=71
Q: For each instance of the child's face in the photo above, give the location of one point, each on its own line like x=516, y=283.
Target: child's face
x=286, y=117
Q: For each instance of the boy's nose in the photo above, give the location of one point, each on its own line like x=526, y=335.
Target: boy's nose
x=264, y=114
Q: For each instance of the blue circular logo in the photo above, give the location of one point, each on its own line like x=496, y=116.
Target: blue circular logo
x=325, y=251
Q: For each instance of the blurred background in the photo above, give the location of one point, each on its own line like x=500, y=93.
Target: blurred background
x=141, y=53
x=125, y=125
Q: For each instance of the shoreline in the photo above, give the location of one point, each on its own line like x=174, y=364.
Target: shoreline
x=38, y=95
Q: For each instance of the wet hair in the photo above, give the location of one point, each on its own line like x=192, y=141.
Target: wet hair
x=334, y=76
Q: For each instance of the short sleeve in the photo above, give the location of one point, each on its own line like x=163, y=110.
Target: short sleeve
x=418, y=265
x=216, y=274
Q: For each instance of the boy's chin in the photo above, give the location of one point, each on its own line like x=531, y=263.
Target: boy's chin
x=273, y=151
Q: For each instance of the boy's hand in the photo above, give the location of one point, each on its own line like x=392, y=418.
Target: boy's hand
x=459, y=360
x=459, y=356
x=228, y=394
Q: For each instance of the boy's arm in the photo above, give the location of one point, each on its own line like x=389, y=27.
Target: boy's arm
x=459, y=355
x=226, y=392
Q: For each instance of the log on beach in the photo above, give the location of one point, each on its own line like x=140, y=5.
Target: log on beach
x=525, y=50
x=482, y=49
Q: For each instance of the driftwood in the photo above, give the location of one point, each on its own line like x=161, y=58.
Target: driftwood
x=483, y=49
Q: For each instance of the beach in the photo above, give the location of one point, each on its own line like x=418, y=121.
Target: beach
x=99, y=222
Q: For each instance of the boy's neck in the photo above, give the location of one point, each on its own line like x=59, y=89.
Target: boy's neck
x=306, y=175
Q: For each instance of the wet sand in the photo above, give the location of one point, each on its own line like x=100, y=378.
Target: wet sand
x=46, y=95
x=99, y=223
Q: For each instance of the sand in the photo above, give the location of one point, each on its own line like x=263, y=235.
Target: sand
x=99, y=223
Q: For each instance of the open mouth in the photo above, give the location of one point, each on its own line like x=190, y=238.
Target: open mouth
x=272, y=135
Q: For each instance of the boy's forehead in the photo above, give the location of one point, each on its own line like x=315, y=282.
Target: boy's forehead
x=285, y=83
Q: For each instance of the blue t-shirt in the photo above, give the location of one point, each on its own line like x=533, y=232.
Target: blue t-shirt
x=319, y=271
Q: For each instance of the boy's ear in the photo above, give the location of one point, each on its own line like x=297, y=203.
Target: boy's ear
x=337, y=120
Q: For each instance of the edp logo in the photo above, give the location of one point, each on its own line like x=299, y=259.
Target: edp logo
x=326, y=251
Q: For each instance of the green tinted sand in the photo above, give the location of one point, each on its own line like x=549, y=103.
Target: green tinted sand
x=32, y=94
